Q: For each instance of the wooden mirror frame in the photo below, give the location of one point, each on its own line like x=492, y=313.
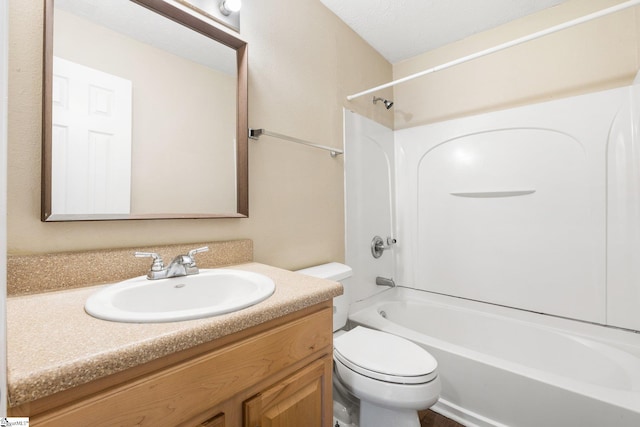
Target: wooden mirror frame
x=194, y=23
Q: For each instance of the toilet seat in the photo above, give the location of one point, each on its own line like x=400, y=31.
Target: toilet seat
x=384, y=357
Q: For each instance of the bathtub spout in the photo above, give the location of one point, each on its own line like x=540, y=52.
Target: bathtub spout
x=383, y=281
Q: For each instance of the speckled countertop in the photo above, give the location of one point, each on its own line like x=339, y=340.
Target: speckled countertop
x=53, y=345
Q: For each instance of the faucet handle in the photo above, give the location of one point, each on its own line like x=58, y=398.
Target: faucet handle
x=157, y=265
x=190, y=260
x=193, y=252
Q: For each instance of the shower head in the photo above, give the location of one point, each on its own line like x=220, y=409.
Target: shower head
x=387, y=104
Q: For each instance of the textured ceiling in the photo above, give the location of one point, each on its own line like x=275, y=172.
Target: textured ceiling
x=401, y=29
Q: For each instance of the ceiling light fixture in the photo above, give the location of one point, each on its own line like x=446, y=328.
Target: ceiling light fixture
x=227, y=7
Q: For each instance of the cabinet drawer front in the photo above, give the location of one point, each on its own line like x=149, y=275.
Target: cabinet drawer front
x=181, y=392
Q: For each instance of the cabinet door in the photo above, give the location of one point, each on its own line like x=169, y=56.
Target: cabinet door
x=302, y=399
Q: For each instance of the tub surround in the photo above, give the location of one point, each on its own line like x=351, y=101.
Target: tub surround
x=32, y=274
x=54, y=345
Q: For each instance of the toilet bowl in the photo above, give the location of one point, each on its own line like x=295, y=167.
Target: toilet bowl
x=391, y=377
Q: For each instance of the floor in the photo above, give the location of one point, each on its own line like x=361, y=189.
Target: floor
x=432, y=419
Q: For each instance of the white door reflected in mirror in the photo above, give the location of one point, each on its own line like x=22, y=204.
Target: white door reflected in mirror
x=91, y=151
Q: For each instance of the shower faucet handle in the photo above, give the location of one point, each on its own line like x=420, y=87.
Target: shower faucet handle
x=378, y=245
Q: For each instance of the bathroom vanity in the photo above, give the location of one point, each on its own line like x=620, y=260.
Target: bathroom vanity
x=268, y=364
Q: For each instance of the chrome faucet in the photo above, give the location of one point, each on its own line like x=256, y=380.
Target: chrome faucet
x=182, y=265
x=378, y=245
x=384, y=281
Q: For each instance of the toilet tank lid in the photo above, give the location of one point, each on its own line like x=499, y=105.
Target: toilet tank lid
x=331, y=271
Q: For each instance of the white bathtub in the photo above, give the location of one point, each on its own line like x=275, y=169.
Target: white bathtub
x=506, y=367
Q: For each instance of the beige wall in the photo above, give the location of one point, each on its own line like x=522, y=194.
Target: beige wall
x=598, y=55
x=303, y=61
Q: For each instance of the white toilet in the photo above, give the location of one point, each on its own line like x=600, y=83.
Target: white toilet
x=391, y=377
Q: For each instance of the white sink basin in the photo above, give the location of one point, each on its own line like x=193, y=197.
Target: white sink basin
x=209, y=293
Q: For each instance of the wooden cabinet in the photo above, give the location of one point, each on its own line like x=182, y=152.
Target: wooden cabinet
x=296, y=401
x=217, y=421
x=278, y=372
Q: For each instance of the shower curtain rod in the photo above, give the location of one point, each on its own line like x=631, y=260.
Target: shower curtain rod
x=256, y=133
x=503, y=46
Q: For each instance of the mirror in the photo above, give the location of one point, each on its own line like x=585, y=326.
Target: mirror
x=144, y=113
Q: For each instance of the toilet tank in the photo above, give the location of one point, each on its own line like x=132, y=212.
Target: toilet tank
x=339, y=273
